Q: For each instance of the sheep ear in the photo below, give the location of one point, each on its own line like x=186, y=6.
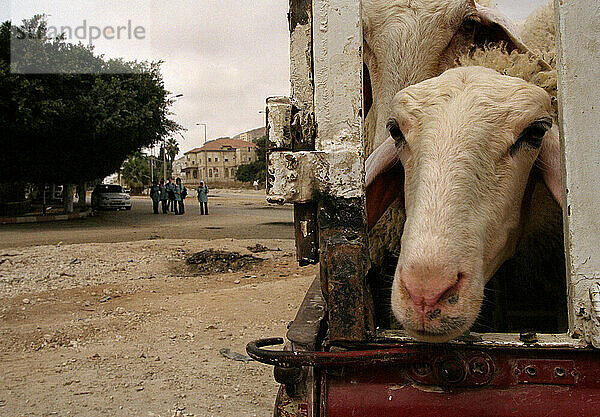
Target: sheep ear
x=549, y=163
x=384, y=177
x=496, y=27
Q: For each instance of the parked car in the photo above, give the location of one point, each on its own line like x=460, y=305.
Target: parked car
x=110, y=196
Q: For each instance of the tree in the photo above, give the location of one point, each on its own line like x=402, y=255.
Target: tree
x=172, y=148
x=256, y=170
x=136, y=171
x=71, y=127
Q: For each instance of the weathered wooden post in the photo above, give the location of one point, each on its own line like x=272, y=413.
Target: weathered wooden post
x=317, y=161
x=579, y=92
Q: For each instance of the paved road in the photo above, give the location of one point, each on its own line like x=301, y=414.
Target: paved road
x=240, y=215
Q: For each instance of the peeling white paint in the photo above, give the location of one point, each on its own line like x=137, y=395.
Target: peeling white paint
x=300, y=177
x=496, y=339
x=579, y=70
x=279, y=114
x=301, y=65
x=338, y=74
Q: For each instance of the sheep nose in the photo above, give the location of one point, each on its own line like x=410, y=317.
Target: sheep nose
x=426, y=286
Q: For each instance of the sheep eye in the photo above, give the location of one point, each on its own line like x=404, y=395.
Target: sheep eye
x=469, y=25
x=532, y=135
x=394, y=129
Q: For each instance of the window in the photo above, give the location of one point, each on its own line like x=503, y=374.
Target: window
x=208, y=159
x=226, y=173
x=226, y=159
x=216, y=172
x=210, y=172
x=216, y=159
x=109, y=188
x=195, y=173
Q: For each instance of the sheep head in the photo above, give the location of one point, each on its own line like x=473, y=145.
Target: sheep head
x=408, y=41
x=459, y=160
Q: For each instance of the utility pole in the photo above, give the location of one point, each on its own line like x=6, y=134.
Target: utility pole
x=205, y=153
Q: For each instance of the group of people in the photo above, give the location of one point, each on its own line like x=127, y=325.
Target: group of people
x=171, y=195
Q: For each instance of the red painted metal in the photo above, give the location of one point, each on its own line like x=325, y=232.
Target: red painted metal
x=469, y=383
x=442, y=380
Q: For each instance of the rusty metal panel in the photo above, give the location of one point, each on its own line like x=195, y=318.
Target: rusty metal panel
x=305, y=328
x=344, y=266
x=306, y=231
x=322, y=169
x=467, y=383
x=338, y=65
x=540, y=371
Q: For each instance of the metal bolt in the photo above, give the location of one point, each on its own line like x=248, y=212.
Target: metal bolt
x=422, y=369
x=478, y=367
x=452, y=371
x=528, y=337
x=531, y=371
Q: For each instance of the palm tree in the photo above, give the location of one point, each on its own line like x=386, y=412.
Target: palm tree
x=172, y=148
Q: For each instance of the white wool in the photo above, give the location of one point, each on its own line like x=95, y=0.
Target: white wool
x=539, y=35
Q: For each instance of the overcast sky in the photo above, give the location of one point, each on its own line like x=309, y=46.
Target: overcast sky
x=224, y=56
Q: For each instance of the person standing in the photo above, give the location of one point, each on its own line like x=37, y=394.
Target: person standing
x=155, y=196
x=203, y=198
x=179, y=196
x=171, y=195
x=164, y=197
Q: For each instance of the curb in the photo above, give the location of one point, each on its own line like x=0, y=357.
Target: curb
x=41, y=219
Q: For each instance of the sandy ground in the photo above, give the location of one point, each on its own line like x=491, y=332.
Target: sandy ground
x=128, y=329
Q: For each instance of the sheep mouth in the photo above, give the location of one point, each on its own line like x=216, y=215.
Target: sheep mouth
x=451, y=317
x=451, y=327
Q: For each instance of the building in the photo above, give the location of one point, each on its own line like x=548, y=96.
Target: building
x=251, y=135
x=217, y=161
x=179, y=168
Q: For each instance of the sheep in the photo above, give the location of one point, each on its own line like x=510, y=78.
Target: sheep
x=459, y=161
x=408, y=41
x=388, y=27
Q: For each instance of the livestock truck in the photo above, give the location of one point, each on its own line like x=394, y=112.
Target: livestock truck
x=343, y=356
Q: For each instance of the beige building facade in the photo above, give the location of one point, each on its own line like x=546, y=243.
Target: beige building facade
x=217, y=161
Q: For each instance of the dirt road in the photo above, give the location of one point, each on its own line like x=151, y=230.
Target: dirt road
x=243, y=214
x=130, y=329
